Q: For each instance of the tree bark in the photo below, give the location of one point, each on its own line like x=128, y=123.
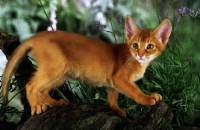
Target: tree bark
x=97, y=117
x=79, y=116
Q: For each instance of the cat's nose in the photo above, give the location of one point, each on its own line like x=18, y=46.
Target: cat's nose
x=140, y=55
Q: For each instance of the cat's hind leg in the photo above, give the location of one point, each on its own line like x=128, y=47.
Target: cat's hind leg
x=38, y=90
x=44, y=96
x=36, y=105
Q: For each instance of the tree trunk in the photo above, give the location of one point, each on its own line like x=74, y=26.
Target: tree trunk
x=79, y=116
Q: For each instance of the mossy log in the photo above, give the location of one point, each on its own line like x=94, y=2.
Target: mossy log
x=78, y=116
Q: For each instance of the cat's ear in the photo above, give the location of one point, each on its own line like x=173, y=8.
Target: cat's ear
x=131, y=28
x=163, y=31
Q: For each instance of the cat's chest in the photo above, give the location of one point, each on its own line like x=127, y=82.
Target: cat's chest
x=140, y=73
x=138, y=76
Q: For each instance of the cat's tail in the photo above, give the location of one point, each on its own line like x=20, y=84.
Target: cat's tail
x=13, y=62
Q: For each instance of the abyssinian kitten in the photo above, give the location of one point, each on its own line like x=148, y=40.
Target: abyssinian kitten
x=62, y=56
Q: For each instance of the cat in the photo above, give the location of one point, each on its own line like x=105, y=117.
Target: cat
x=62, y=56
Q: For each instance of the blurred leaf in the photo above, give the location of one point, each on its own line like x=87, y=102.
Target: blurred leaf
x=22, y=28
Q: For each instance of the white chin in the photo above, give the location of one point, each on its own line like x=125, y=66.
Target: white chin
x=141, y=61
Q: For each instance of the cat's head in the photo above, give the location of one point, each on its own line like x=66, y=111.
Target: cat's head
x=145, y=45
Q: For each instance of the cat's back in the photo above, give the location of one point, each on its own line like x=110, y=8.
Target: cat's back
x=66, y=37
x=72, y=46
x=69, y=41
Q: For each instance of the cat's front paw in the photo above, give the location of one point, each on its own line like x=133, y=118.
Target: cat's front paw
x=154, y=98
x=122, y=113
x=119, y=111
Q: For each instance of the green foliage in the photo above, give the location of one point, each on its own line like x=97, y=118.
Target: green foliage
x=22, y=18
x=86, y=93
x=5, y=111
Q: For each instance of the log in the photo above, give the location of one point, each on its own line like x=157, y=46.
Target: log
x=157, y=118
x=78, y=115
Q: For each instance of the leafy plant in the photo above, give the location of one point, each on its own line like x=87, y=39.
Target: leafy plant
x=8, y=110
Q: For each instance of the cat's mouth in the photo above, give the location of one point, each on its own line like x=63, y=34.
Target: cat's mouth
x=144, y=59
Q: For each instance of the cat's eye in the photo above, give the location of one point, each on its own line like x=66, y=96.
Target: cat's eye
x=150, y=46
x=135, y=45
